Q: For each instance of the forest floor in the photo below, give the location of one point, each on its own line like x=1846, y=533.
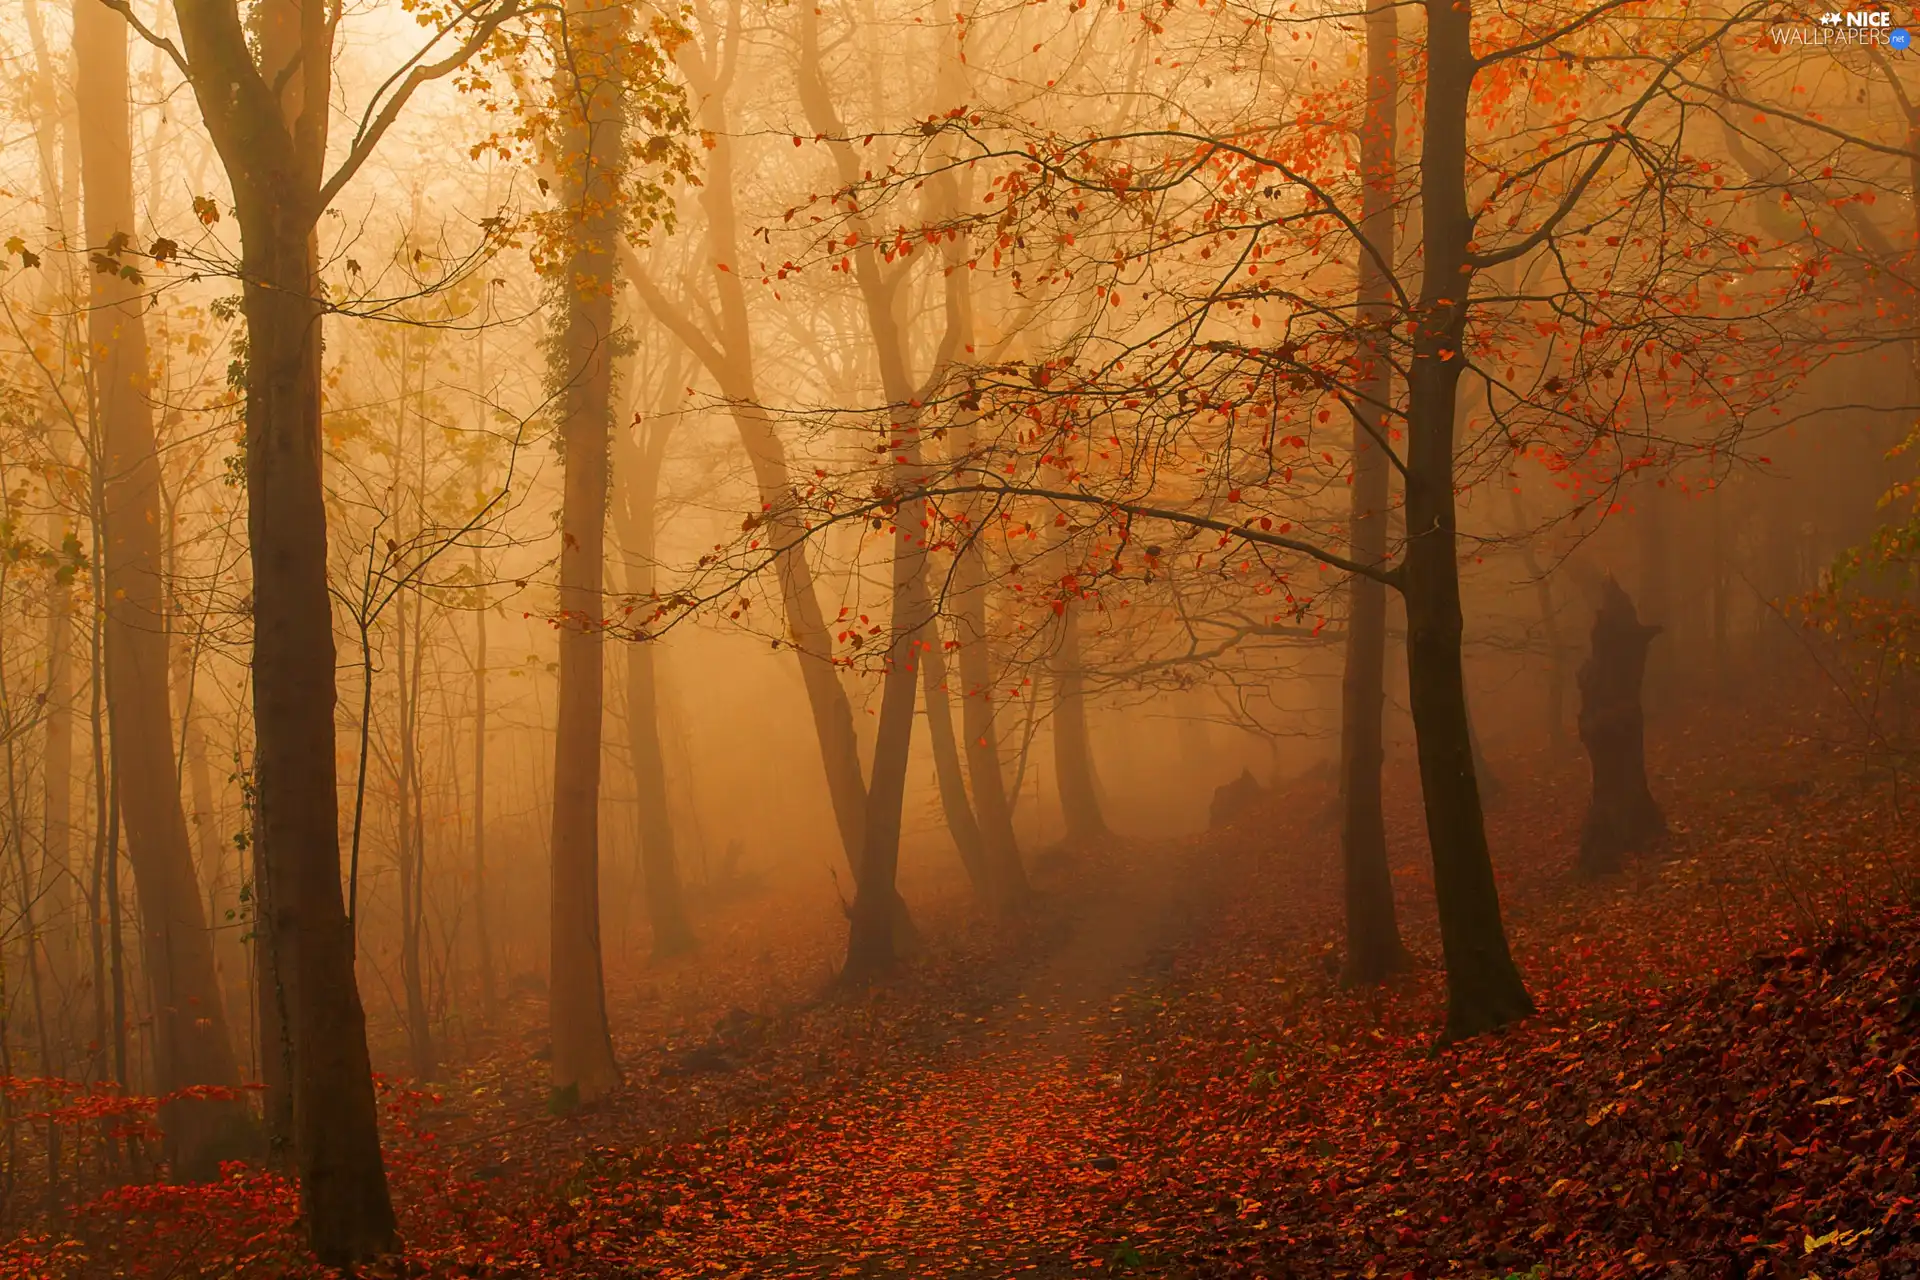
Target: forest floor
x=1156, y=1073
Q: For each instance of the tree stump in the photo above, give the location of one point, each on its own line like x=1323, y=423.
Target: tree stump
x=1234, y=800
x=1622, y=817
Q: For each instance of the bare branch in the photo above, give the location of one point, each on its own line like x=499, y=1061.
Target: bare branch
x=416, y=73
x=1262, y=537
x=125, y=9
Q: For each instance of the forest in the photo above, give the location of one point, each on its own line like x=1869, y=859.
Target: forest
x=1070, y=638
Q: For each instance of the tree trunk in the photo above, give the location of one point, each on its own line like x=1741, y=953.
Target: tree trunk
x=1006, y=876
x=1718, y=587
x=54, y=125
x=659, y=857
x=1483, y=774
x=413, y=822
x=105, y=813
x=343, y=1178
x=881, y=928
x=993, y=808
x=583, y=1067
x=16, y=821
x=29, y=920
x=729, y=360
x=880, y=921
x=1550, y=626
x=274, y=1021
x=1656, y=555
x=483, y=934
x=110, y=848
x=1072, y=748
x=637, y=514
x=228, y=957
x=1484, y=989
x=268, y=121
x=1374, y=949
x=56, y=857
x=877, y=905
x=1622, y=817
x=961, y=824
x=412, y=854
x=806, y=624
x=191, y=1045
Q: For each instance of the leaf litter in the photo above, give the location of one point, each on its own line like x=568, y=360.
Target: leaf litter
x=1157, y=1074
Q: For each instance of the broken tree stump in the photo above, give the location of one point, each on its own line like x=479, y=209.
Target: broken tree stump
x=1622, y=817
x=1234, y=800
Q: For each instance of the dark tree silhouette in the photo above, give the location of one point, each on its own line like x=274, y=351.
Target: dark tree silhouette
x=1622, y=817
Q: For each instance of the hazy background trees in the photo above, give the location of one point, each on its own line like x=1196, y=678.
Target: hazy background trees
x=636, y=458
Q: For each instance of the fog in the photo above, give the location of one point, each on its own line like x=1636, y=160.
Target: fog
x=529, y=531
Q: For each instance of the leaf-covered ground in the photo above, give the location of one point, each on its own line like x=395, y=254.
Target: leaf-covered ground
x=1157, y=1075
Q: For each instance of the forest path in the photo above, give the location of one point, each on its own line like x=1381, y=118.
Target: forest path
x=959, y=1169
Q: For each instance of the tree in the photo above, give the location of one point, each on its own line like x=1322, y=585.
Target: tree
x=410, y=841
x=1002, y=877
x=1374, y=949
x=1072, y=746
x=191, y=1045
x=590, y=159
x=1163, y=407
x=54, y=128
x=607, y=71
x=1484, y=989
x=266, y=105
x=637, y=468
x=711, y=64
x=482, y=928
x=1622, y=817
x=877, y=907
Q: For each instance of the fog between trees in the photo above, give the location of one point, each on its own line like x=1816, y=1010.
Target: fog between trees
x=489, y=488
